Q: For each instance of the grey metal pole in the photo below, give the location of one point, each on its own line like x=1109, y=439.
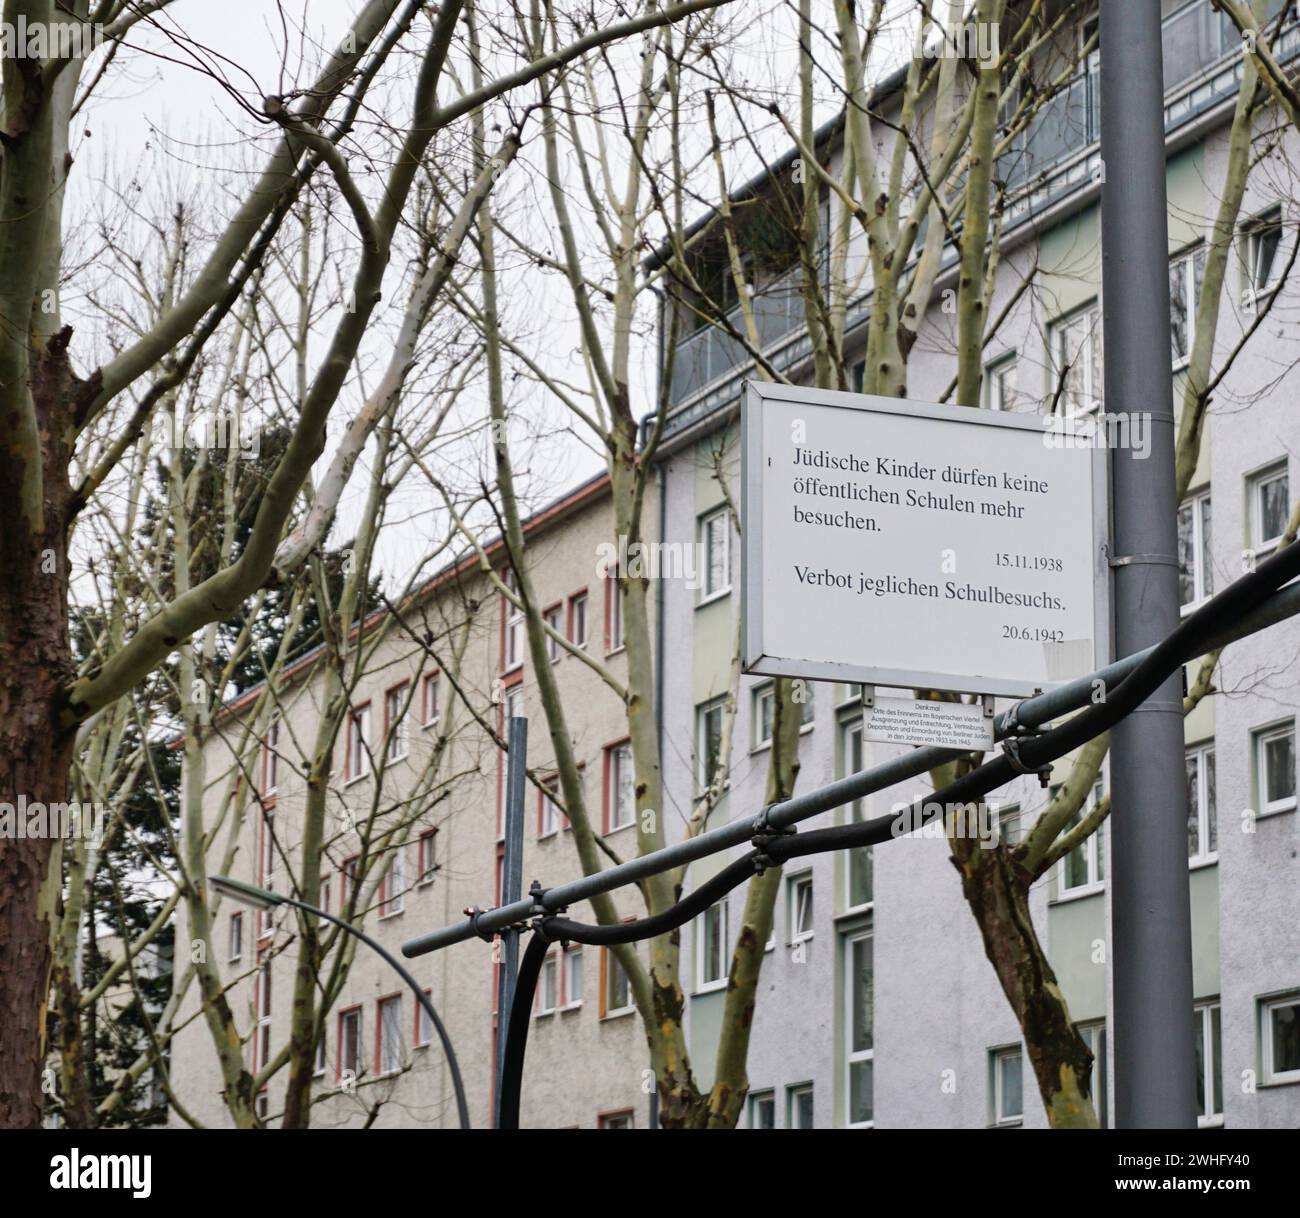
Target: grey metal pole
x=512, y=885
x=1154, y=1039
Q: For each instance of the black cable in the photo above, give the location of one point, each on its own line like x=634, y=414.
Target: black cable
x=521, y=1011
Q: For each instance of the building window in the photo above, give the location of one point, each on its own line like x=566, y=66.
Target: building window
x=1263, y=237
x=1084, y=867
x=859, y=991
x=708, y=741
x=430, y=707
x=1275, y=768
x=1185, y=275
x=395, y=725
x=548, y=810
x=325, y=894
x=423, y=1024
x=427, y=857
x=800, y=899
x=613, y=615
x=321, y=1051
x=271, y=760
x=358, y=743
x=1209, y=1065
x=236, y=940
x=266, y=871
x=571, y=976
x=1280, y=1027
x=764, y=708
x=388, y=1056
x=761, y=1106
x=616, y=1120
x=513, y=634
x=578, y=620
x=1094, y=1036
x=349, y=1054
x=548, y=984
x=1076, y=348
x=620, y=792
x=858, y=860
x=616, y=996
x=715, y=544
x=1195, y=574
x=554, y=620
x=1269, y=507
x=1007, y=1094
x=1202, y=828
x=1000, y=385
x=392, y=885
x=799, y=1106
x=262, y=1035
x=711, y=948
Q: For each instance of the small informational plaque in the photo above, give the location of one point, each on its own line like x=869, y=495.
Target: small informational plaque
x=894, y=718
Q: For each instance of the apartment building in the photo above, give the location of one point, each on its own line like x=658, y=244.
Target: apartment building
x=414, y=836
x=877, y=1006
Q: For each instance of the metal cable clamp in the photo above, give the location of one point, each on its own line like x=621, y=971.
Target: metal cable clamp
x=764, y=835
x=1015, y=734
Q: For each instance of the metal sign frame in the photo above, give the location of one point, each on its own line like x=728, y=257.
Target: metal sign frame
x=755, y=396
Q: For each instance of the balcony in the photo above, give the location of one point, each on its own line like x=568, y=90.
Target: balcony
x=1056, y=155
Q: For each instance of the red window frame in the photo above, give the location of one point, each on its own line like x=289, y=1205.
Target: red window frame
x=607, y=793
x=363, y=753
x=401, y=689
x=359, y=1011
x=427, y=856
x=428, y=683
x=396, y=997
x=580, y=595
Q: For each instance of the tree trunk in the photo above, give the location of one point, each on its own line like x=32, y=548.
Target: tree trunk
x=36, y=745
x=997, y=891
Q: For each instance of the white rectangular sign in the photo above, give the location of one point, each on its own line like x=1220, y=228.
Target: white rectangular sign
x=893, y=719
x=900, y=543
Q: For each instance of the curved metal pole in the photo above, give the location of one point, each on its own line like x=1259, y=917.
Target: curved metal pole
x=462, y=1109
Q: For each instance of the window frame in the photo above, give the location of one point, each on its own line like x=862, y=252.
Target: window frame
x=356, y=761
x=548, y=790
x=704, y=984
x=612, y=753
x=271, y=760
x=392, y=885
x=430, y=681
x=1090, y=313
x=705, y=534
x=1210, y=1061
x=1206, y=807
x=997, y=1118
x=1198, y=505
x=426, y=857
x=235, y=937
x=995, y=372
x=397, y=731
x=553, y=616
x=550, y=967
x=383, y=1003
x=753, y=1099
x=792, y=1093
x=1259, y=546
x=853, y=1056
x=577, y=610
x=569, y=954
x=608, y=963
x=800, y=882
x=1260, y=736
x=1268, y=220
x=1267, y=1004
x=850, y=726
x=1094, y=1032
x=513, y=620
x=1184, y=262
x=1094, y=858
x=422, y=1028
x=614, y=624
